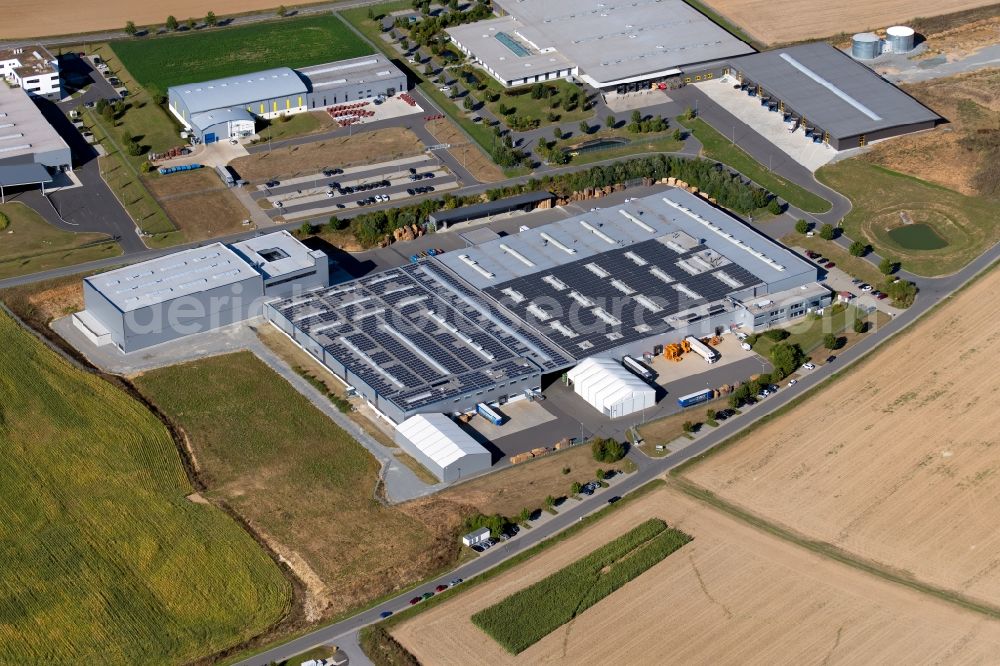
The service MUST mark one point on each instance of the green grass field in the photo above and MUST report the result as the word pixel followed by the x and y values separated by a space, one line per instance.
pixel 30 244
pixel 719 148
pixel 290 470
pixel 885 200
pixel 161 62
pixel 527 616
pixel 104 560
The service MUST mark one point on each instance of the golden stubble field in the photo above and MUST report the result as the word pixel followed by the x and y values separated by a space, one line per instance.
pixel 734 595
pixel 796 20
pixel 899 461
pixel 23 18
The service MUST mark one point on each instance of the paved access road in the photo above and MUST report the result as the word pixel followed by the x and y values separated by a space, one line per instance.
pixel 933 291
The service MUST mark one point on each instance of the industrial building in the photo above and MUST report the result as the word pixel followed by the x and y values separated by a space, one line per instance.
pixel 229 108
pixel 835 97
pixel 484 324
pixel 526 201
pixel 31 150
pixel 614 45
pixel 442 446
pixel 195 290
pixel 611 389
pixel 33 69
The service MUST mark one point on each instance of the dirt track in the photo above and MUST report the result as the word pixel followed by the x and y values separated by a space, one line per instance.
pixel 732 596
pixel 795 20
pixel 23 18
pixel 899 462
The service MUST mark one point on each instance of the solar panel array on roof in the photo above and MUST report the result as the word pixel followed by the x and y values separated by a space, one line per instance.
pixel 417 336
pixel 601 302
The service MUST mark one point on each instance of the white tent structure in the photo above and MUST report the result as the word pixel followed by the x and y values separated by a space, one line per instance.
pixel 610 388
pixel 442 447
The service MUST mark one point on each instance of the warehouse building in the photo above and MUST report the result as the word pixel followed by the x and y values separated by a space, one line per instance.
pixel 33 69
pixel 194 290
pixel 442 447
pixel 31 150
pixel 525 202
pixel 614 45
pixel 484 324
pixel 229 108
pixel 837 99
pixel 611 389
pixel 415 340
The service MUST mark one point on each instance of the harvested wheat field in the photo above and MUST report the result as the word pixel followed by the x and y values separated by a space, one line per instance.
pixel 733 595
pixel 22 18
pixel 386 144
pixel 897 462
pixel 796 20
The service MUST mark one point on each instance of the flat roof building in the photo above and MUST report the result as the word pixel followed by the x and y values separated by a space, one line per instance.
pixel 30 148
pixel 526 201
pixel 228 107
pixel 195 290
pixel 841 98
pixel 484 323
pixel 34 69
pixel 608 44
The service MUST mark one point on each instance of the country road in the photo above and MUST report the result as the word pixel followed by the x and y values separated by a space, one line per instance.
pixel 933 291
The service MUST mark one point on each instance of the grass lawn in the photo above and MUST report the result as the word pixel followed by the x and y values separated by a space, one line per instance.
pixel 295 475
pixel 161 62
pixel 885 200
pixel 808 331
pixel 717 147
pixel 30 244
pixel 105 561
pixel 299 124
pixel 857 267
pixel 527 616
pixel 526 107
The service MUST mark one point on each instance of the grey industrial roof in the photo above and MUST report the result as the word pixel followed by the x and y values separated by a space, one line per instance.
pixel 278 253
pixel 23 128
pixel 23 174
pixel 333 75
pixel 487 208
pixel 205 119
pixel 614 41
pixel 832 90
pixel 661 215
pixel 239 90
pixel 172 276
pixel 481 38
pixel 418 336
pixel 32 60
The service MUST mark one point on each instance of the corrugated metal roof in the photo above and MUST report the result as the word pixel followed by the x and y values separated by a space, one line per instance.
pixel 489 207
pixel 239 90
pixel 439 438
pixel 206 119
pixel 832 90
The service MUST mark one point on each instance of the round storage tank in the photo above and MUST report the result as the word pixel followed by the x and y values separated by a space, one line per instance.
pixel 866 46
pixel 899 39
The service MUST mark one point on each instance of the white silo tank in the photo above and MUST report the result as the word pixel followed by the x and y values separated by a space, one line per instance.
pixel 899 39
pixel 866 46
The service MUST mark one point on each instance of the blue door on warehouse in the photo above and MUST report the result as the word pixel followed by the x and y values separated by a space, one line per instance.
pixel 210 137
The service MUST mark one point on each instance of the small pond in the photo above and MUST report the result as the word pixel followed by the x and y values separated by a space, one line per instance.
pixel 917 237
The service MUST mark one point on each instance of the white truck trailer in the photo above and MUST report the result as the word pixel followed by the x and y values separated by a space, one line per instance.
pixel 701 349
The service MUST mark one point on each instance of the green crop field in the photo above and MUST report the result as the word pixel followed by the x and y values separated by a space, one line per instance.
pixel 161 62
pixel 524 618
pixel 104 560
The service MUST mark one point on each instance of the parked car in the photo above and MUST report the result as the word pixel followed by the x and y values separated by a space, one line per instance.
pixel 272 183
pixel 278 204
pixel 882 296
pixel 811 254
pixel 478 547
pixel 440 588
pixel 830 264
pixel 330 194
pixel 427 595
pixel 455 582
pixel 614 499
pixel 856 281
pixel 415 600
pixel 792 382
pixel 385 614
pixel 865 287
pixel 831 359
pixel 410 191
pixel 809 366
